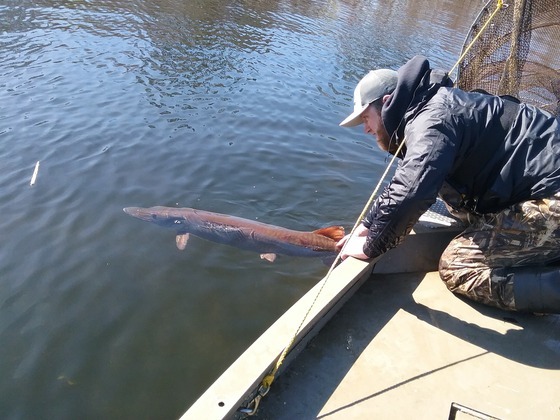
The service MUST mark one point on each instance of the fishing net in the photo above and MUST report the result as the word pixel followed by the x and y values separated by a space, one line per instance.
pixel 517 54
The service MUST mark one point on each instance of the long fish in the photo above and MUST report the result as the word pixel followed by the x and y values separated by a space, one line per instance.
pixel 268 240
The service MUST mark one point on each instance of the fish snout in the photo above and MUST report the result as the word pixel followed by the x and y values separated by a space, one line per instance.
pixel 133 211
pixel 139 213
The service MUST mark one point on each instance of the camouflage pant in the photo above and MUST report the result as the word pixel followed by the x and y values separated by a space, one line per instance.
pixel 477 262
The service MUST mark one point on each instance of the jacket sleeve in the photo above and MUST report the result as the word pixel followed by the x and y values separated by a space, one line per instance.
pixel 431 144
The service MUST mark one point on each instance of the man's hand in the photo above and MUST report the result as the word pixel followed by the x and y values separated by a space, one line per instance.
pixel 353 246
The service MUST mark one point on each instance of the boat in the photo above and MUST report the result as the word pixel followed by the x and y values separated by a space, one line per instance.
pixel 386 339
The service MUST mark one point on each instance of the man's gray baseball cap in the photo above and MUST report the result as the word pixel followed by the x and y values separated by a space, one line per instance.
pixel 373 86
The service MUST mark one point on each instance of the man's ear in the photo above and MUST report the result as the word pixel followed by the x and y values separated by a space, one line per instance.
pixel 385 98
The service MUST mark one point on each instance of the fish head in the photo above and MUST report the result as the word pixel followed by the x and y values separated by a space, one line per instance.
pixel 162 216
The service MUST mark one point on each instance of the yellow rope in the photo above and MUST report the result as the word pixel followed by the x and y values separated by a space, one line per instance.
pixel 268 379
pixel 499 5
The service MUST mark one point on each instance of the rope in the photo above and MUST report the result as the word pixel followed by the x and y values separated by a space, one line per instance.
pixel 499 5
pixel 268 379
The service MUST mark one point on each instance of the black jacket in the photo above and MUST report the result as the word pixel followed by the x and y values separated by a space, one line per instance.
pixel 480 152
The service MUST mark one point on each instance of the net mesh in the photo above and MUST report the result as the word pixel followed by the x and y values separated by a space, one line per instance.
pixel 517 54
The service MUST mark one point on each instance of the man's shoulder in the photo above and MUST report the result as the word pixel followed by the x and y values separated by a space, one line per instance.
pixel 458 101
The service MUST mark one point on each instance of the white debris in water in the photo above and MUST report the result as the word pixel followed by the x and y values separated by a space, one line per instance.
pixel 34 177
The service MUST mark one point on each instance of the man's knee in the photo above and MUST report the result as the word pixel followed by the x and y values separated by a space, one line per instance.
pixel 478 283
pixel 461 271
pixel 469 281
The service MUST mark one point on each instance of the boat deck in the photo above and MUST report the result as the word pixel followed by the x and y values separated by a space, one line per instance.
pixel 396 344
pixel 405 347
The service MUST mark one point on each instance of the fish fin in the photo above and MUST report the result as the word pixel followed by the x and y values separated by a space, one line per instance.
pixel 270 257
pixel 181 240
pixel 333 232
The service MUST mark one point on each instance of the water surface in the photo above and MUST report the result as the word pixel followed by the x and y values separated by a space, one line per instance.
pixel 227 106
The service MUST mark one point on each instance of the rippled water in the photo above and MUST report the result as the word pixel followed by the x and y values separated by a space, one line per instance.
pixel 228 106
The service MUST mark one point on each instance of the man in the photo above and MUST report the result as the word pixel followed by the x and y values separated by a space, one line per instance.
pixel 494 161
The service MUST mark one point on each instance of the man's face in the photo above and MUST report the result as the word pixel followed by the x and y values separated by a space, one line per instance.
pixel 373 124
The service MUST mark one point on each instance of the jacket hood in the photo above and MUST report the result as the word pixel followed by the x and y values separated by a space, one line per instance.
pixel 417 83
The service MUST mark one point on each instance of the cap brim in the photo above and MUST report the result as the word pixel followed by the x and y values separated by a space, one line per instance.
pixel 354 119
